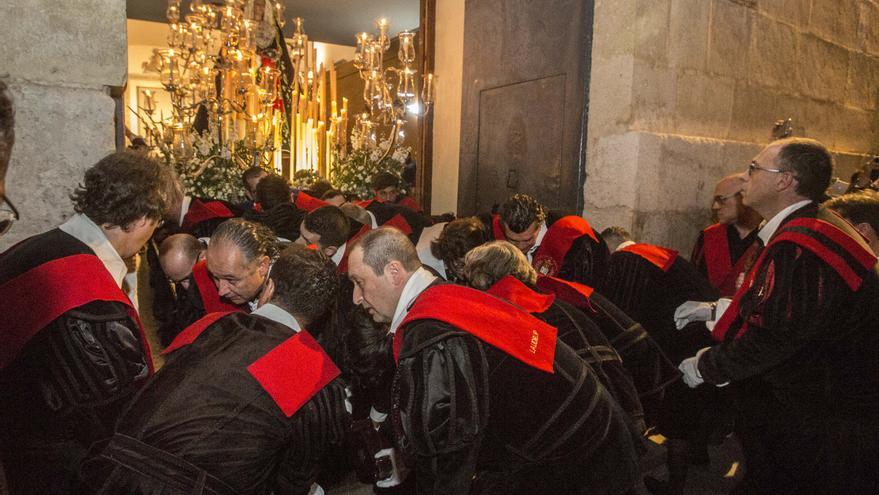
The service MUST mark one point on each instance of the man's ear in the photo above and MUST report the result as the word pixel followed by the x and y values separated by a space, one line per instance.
pixel 264 263
pixel 330 251
pixel 395 271
pixel 201 255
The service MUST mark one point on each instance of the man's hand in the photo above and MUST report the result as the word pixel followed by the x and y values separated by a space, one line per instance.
pixel 690 368
pixel 692 311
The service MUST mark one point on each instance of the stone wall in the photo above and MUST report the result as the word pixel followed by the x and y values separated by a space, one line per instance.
pixel 686 91
pixel 58 59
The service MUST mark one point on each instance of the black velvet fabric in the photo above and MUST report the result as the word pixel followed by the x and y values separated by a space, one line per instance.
pixel 813 341
pixel 283 219
pixel 69 384
pixel 204 409
pixel 464 408
pixel 386 211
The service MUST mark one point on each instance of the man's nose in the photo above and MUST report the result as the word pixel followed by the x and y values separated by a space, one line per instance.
pixel 357 295
pixel 223 287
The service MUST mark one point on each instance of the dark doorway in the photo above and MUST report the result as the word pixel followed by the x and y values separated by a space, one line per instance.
pixel 525 100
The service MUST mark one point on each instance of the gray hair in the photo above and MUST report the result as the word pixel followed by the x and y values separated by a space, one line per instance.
pixel 253 239
pixel 386 244
pixel 486 264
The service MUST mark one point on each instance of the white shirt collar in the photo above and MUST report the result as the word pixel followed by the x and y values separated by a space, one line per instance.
pixel 86 231
pixel 418 281
pixel 540 235
pixel 276 314
pixel 624 244
pixel 373 222
pixel 340 253
pixel 772 225
pixel 184 207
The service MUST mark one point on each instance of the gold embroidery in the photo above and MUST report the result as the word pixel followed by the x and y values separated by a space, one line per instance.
pixel 534 339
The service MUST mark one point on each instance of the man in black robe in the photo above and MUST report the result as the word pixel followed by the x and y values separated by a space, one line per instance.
pixel 73 350
pixel 246 403
pixel 723 250
pixel 501 269
pixel 557 244
pixel 331 231
pixel 552 428
pixel 649 282
pixel 276 209
pixel 804 320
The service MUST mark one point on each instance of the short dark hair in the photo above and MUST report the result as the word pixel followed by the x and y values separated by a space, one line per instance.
pixel 7 128
pixel 272 191
pixel 810 162
pixel 253 239
pixel 251 173
pixel 319 187
pixel 385 244
pixel 858 207
pixel 382 180
pixel 458 237
pixel 123 187
pixel 615 235
pixel 331 193
pixel 520 211
pixel 306 282
pixel 330 223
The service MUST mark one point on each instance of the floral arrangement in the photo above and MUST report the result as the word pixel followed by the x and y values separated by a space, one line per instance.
pixel 304 179
pixel 353 173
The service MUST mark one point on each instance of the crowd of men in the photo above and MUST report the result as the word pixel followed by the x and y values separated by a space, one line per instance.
pixel 518 351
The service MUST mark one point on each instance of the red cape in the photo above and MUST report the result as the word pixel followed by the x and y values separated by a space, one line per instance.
pixel 661 257
pixel 487 318
pixel 308 202
pixel 573 293
pixel 795 232
pixel 512 290
pixel 559 238
pixel 722 273
pixel 49 290
pixel 200 211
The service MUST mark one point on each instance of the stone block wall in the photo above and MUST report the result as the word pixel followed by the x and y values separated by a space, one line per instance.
pixel 58 58
pixel 684 92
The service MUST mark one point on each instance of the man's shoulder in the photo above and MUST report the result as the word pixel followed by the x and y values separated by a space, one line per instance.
pixel 38 250
pixel 423 333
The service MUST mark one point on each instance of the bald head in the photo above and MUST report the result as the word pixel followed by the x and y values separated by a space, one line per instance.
pixel 178 253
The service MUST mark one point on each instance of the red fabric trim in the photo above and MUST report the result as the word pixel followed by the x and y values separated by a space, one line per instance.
pixel 662 257
pixel 487 318
pixel 190 333
pixel 200 211
pixel 400 223
pixel 343 263
pixel 47 291
pixel 496 229
pixel 294 372
pixel 210 298
pixel 715 246
pixel 410 203
pixel 573 293
pixel 557 241
pixel 512 290
pixel 308 202
pixel 257 207
pixel 865 258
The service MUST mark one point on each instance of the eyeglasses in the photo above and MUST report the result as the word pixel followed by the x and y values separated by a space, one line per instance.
pixel 723 199
pixel 8 216
pixel 753 167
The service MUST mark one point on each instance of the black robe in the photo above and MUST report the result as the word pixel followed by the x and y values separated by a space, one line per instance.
pixel 68 384
pixel 812 338
pixel 385 212
pixel 466 408
pixel 283 219
pixel 716 262
pixel 205 415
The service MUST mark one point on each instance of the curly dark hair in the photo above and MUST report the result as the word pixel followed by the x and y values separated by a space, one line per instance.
pixel 123 187
pixel 253 239
pixel 459 237
pixel 330 223
pixel 382 180
pixel 306 283
pixel 520 211
pixel 272 191
pixel 7 128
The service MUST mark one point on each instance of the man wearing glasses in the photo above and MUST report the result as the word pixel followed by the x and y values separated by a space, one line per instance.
pixel 723 249
pixel 8 213
pixel 73 351
pixel 805 321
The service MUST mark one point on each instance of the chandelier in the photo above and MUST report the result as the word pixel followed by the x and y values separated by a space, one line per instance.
pixel 389 92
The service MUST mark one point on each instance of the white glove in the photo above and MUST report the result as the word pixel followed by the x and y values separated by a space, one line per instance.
pixel 400 470
pixel 693 311
pixel 690 368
